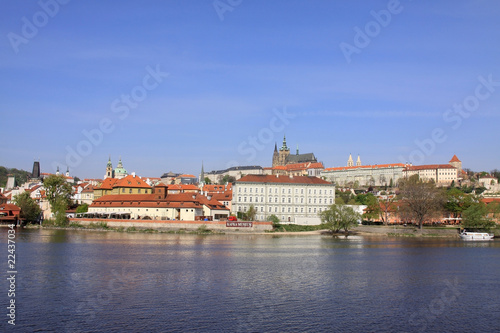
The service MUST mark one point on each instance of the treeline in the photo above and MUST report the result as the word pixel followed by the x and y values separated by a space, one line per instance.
pixel 21 175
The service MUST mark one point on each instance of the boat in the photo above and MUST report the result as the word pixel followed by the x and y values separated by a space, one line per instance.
pixel 475 236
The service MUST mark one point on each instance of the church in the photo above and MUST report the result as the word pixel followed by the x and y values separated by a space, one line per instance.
pixel 283 156
pixel 119 172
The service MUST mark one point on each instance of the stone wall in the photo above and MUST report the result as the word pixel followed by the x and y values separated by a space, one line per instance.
pixel 176 225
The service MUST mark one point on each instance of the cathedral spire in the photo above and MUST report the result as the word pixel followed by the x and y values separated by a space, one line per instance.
pixel 297 148
pixel 284 147
pixel 202 175
pixel 350 161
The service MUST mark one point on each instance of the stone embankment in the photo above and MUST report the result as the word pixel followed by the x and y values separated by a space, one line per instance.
pixel 406 231
pixel 223 226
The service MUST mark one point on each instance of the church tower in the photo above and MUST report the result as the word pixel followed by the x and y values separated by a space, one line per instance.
pixel 350 161
pixel 202 176
pixel 109 169
pixel 358 162
pixel 284 152
pixel 276 157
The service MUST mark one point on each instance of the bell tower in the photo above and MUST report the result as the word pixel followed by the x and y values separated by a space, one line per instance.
pixel 109 169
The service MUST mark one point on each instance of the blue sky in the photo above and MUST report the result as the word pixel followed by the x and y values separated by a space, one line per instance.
pixel 169 84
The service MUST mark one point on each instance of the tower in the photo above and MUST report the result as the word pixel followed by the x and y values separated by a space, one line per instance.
pixel 350 162
pixel 276 157
pixel 358 162
pixel 36 170
pixel 109 169
pixel 283 153
pixel 67 172
pixel 455 162
pixel 202 175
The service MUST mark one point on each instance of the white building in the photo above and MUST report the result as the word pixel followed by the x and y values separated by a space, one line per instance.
pixel 441 174
pixel 287 197
pixel 365 175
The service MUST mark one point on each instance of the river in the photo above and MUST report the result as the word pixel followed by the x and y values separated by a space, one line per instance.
pixel 92 281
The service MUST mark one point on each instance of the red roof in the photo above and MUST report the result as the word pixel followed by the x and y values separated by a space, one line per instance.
pixel 184 200
pixel 182 187
pixel 282 179
pixel 375 166
pixel 455 159
pixel 107 184
pixel 131 181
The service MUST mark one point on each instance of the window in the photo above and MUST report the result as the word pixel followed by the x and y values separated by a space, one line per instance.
pixel 289 200
pixel 139 191
pixel 130 190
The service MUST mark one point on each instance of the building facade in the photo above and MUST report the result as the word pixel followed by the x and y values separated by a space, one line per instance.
pixel 365 175
pixel 441 174
pixel 287 197
pixel 159 205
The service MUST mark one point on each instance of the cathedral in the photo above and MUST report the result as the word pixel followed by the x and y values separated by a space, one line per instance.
pixel 283 156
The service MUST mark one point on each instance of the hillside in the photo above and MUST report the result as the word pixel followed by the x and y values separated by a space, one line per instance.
pixel 21 175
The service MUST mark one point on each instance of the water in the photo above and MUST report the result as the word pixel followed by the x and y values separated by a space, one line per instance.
pixel 85 281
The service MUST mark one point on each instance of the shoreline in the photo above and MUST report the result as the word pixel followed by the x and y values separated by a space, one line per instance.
pixel 364 231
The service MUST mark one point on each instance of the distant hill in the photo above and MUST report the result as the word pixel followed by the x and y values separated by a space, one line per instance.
pixel 21 175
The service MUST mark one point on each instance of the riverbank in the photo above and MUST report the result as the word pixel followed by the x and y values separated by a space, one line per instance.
pixel 362 230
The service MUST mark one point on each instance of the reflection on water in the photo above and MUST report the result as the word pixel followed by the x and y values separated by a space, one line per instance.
pixel 107 281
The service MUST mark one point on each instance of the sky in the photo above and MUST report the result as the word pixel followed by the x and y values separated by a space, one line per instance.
pixel 169 85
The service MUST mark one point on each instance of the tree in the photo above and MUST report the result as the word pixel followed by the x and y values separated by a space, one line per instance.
pixel 340 217
pixel 30 211
pixel 83 208
pixel 227 179
pixel 421 201
pixel 276 221
pixel 373 207
pixel 457 201
pixel 250 213
pixel 386 205
pixel 476 217
pixel 207 181
pixel 58 193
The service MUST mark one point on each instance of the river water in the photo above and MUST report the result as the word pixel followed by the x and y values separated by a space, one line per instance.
pixel 89 281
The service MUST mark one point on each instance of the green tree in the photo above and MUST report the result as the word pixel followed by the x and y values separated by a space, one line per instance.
pixel 227 179
pixel 476 217
pixel 250 213
pixel 421 201
pixel 373 207
pixel 58 193
pixel 83 208
pixel 339 217
pixel 207 181
pixel 457 201
pixel 276 221
pixel 30 211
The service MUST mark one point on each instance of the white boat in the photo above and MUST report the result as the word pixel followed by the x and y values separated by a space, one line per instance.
pixel 475 236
